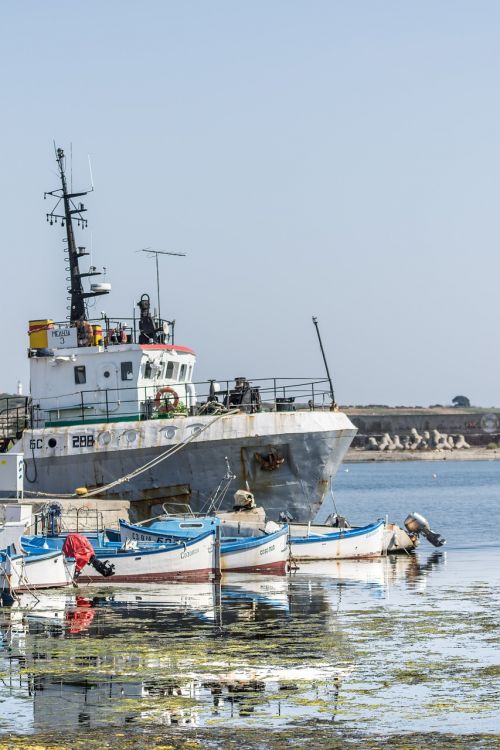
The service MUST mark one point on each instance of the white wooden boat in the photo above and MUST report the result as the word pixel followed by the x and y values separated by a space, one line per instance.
pixel 19 572
pixel 260 554
pixel 266 553
pixel 396 539
pixel 338 544
pixel 190 559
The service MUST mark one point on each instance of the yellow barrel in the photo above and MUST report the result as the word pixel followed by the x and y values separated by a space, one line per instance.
pixel 97 335
pixel 38 333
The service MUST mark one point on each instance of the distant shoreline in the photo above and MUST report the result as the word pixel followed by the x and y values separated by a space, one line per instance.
pixel 361 456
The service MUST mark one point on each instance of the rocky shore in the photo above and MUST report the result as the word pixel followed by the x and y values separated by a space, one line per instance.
pixel 360 455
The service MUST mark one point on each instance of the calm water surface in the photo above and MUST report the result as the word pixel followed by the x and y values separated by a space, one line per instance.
pixel 408 645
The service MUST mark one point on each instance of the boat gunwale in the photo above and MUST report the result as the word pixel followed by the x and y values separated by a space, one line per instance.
pixel 338 535
pixel 101 552
pixel 250 542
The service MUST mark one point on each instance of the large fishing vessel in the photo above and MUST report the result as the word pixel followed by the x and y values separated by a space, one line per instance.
pixel 114 408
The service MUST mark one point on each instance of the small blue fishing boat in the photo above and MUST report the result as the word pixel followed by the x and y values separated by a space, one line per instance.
pixel 166 528
pixel 47 569
pixel 190 559
pixel 338 544
pixel 267 553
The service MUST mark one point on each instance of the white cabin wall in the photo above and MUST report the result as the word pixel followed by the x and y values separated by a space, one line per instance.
pixel 53 379
pixel 159 360
pixel 105 394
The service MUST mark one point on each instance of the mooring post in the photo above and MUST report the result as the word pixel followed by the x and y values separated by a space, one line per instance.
pixel 217 552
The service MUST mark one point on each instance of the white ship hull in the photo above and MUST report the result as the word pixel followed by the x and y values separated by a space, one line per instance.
pixel 311 445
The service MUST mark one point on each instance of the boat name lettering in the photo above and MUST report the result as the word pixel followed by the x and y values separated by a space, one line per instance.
pixel 148 538
pixel 36 443
pixel 189 552
pixel 267 549
pixel 83 441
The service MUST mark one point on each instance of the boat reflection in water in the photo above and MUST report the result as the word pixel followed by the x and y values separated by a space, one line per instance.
pixel 381 572
pixel 248 649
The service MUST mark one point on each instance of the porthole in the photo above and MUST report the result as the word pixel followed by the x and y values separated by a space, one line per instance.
pixel 106 373
pixel 52 442
pixel 169 432
pixel 131 436
pixel 104 438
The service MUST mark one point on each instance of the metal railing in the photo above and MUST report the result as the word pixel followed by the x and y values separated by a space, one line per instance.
pixel 14 417
pixel 77 520
pixel 148 402
pixel 123 330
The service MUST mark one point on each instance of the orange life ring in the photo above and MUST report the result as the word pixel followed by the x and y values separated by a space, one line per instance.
pixel 167 405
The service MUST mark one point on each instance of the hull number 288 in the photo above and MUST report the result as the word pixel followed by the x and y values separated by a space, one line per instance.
pixel 77 441
pixel 83 441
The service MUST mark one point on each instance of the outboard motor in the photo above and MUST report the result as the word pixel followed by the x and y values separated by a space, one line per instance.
pixel 417 524
pixel 79 547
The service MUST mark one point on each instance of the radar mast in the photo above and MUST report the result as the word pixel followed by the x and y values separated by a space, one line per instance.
pixel 69 209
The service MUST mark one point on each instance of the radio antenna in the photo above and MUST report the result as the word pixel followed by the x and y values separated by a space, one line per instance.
pixel 91 177
pixel 156 253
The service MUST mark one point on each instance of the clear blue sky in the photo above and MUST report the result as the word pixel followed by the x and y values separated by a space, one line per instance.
pixel 338 159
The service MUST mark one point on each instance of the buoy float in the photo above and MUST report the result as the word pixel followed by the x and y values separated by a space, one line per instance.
pixel 164 405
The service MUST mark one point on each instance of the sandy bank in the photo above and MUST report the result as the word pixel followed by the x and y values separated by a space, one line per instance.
pixel 358 455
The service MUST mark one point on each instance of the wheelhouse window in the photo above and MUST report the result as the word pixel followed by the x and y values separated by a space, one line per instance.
pixel 172 370
pixel 127 371
pixel 80 374
pixel 148 371
pixel 182 375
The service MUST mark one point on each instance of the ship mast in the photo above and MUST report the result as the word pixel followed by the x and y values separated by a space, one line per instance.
pixel 78 297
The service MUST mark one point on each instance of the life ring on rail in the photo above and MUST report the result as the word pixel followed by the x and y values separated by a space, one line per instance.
pixel 167 405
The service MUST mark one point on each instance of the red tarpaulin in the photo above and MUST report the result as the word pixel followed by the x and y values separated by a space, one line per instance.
pixel 78 547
